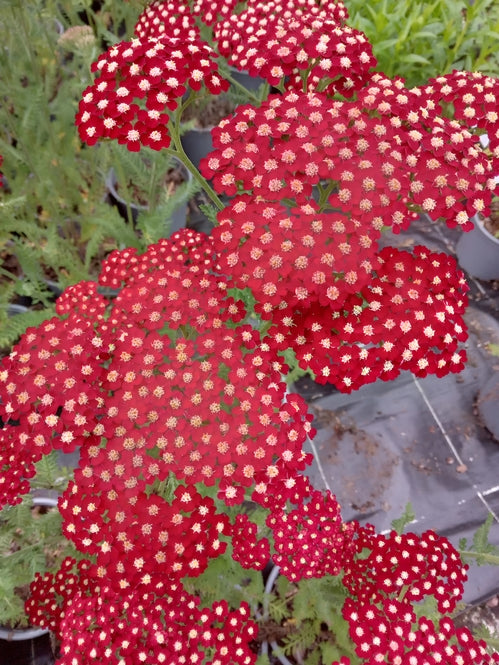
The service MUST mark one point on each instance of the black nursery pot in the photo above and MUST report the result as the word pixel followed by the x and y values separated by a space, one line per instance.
pixel 17 648
pixel 31 645
pixel 126 207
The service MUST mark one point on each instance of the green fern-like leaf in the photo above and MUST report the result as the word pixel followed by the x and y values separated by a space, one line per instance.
pixel 12 606
pixel 28 260
pixel 50 474
pixel 13 327
pixel 16 518
pixel 406 518
pixel 210 212
pixel 155 224
pixel 263 659
pixel 31 541
pixel 482 551
pixel 302 639
pixel 225 578
pixel 108 224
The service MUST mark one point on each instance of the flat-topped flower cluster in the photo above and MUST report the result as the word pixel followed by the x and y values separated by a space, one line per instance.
pixel 173 389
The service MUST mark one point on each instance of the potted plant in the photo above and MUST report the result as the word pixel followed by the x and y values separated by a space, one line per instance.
pixel 192 470
pixel 31 543
pixel 150 185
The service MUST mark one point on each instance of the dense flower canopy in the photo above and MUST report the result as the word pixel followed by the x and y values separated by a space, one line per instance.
pixel 167 374
pixel 377 169
pixel 163 373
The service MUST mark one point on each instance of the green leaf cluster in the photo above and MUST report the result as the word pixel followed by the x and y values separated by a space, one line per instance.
pixel 53 216
pixel 308 620
pixel 31 541
pixel 429 38
pixel 227 579
pixel 481 549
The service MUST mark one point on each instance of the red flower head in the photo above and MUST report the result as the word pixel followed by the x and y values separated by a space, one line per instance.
pixel 185 250
pixel 288 257
pixel 294 142
pixel 139 83
pixel 474 97
pixel 137 537
pixel 210 408
pixel 311 540
pixel 52 593
pixel 311 51
pixel 49 395
pixel 171 19
pixel 210 11
pixel 158 625
pixel 249 550
pixel 391 633
pixel 408 317
pixel 407 566
pixel 451 176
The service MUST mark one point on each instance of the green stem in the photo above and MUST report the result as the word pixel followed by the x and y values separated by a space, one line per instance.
pixel 402 593
pixel 121 180
pixel 251 97
pixel 453 54
pixel 493 559
pixel 179 152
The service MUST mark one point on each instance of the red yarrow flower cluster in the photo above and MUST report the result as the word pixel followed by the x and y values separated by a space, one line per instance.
pixel 188 250
pixel 164 625
pixel 47 386
pixel 474 97
pixel 408 317
pixel 175 18
pixel 212 11
pixel 164 374
pixel 172 18
pixel 139 83
pixel 451 175
pixel 406 566
pixel 139 538
pixel 312 540
pixel 307 51
pixel 288 257
pixel 374 160
pixel 391 633
pixel 249 550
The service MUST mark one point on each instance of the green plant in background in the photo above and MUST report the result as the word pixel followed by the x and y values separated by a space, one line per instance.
pixel 31 541
pixel 55 222
pixel 153 181
pixel 421 40
pixel 55 225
